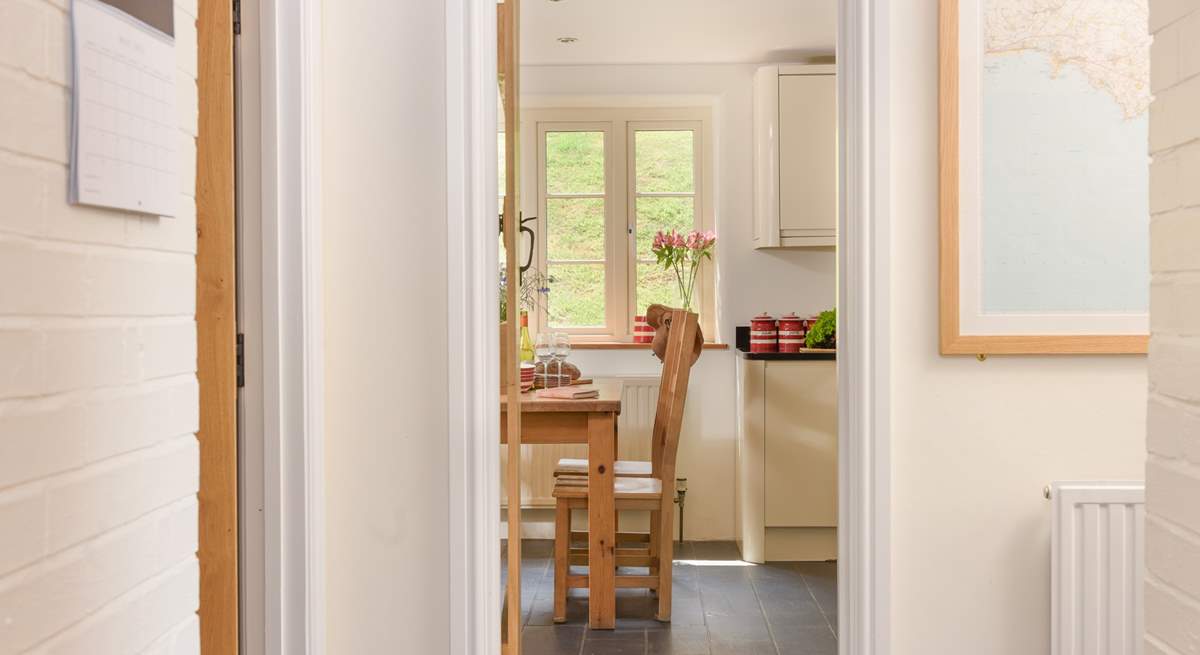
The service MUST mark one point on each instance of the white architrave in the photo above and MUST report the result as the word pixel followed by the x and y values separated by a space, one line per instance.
pixel 864 549
pixel 292 328
pixel 473 339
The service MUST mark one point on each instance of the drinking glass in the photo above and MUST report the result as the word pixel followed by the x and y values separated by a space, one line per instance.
pixel 562 349
pixel 543 351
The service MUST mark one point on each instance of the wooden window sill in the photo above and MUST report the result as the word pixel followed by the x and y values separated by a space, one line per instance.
pixel 626 345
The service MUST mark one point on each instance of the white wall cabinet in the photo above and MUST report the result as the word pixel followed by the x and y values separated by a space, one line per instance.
pixel 786 464
pixel 795 156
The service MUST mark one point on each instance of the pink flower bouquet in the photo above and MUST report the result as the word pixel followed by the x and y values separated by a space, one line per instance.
pixel 683 254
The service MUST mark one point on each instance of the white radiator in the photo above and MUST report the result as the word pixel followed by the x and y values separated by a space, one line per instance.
pixel 1097 544
pixel 638 403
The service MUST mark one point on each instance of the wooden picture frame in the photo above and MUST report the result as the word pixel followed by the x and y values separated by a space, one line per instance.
pixel 953 341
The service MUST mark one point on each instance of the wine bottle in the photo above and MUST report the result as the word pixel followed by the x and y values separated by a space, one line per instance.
pixel 526 342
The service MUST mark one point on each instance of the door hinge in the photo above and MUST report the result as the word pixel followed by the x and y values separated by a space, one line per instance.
pixel 237 16
pixel 241 360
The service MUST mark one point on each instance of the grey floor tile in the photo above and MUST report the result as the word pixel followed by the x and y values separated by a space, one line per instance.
pixel 684 584
pixel 621 641
pixel 541 613
pixel 719 646
pixel 749 628
pixel 825 570
pixel 556 640
pixel 821 578
pixel 686 611
pixel 826 598
pixel 678 640
pixel 801 612
pixel 728 597
pixel 636 608
pixel 832 619
pixel 798 640
pixel 718 608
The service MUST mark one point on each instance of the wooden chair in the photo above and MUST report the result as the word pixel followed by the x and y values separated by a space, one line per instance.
pixel 654 550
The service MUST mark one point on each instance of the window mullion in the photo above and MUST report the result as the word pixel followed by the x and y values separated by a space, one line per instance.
pixel 629 184
pixel 543 227
pixel 618 253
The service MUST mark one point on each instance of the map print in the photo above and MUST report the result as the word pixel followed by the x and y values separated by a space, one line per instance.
pixel 1108 41
pixel 1065 97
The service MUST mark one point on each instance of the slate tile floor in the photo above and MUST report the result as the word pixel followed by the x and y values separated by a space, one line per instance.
pixel 722 606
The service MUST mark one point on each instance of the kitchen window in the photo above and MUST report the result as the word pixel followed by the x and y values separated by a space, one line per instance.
pixel 607 181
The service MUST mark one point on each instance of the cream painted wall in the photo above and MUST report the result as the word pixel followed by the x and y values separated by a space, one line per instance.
pixel 973 442
pixel 385 296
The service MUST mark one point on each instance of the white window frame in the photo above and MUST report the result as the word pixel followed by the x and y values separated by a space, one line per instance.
pixel 620 126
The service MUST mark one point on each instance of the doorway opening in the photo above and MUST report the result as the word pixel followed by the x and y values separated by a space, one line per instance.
pixel 631 122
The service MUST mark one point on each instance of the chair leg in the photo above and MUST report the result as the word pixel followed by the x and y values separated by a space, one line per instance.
pixel 562 542
pixel 666 556
pixel 653 546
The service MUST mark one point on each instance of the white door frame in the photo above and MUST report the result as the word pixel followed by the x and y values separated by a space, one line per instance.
pixel 473 338
pixel 864 333
pixel 863 299
pixel 293 356
pixel 283 555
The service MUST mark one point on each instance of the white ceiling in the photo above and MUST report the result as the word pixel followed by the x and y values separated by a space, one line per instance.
pixel 676 31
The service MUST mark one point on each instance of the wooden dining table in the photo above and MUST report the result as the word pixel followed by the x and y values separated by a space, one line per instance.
pixel 591 421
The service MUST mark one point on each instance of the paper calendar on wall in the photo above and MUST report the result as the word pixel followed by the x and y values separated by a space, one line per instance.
pixel 125 145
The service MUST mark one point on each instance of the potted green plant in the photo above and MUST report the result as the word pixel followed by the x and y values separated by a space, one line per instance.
pixel 823 333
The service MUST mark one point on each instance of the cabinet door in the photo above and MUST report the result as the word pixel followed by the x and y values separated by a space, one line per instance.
pixel 801 444
pixel 807 155
pixel 748 471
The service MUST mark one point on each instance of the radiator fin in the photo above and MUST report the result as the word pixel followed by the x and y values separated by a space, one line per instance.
pixel 1097 545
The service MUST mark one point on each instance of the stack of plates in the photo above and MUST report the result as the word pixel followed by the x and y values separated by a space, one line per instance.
pixel 526 376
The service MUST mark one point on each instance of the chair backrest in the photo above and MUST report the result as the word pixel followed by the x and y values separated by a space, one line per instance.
pixel 672 393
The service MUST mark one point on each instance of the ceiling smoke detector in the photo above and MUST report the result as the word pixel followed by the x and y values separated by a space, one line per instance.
pixel 566 39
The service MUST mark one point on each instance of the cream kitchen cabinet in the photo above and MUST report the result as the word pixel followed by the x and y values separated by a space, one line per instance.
pixel 786 465
pixel 795 156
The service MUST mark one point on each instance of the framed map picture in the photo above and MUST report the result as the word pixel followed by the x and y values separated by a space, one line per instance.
pixel 1044 174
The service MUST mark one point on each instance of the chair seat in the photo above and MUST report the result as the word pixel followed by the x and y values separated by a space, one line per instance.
pixel 627 468
pixel 572 486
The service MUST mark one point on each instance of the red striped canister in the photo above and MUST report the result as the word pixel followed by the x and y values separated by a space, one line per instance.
pixel 642 332
pixel 791 333
pixel 764 337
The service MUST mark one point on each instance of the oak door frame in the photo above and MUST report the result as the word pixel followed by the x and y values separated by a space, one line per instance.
pixel 864 259
pixel 216 331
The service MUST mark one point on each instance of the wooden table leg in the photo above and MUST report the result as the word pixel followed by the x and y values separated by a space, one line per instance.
pixel 602 528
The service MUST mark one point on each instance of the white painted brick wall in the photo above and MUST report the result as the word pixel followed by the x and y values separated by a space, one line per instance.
pixel 98 393
pixel 1173 434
